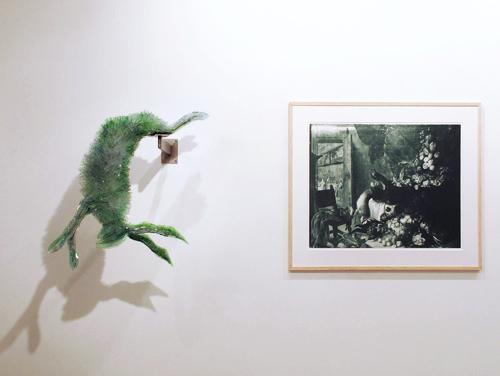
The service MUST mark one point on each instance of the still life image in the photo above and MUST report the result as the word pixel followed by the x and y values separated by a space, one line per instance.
pixel 385 185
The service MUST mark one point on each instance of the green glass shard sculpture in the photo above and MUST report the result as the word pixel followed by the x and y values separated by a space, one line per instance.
pixel 105 184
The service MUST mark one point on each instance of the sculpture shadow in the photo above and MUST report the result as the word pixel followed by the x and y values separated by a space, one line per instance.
pixel 83 288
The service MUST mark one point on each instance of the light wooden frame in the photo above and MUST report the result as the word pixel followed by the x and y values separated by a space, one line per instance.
pixel 466 268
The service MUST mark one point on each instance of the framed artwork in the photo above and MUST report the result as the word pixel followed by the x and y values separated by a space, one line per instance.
pixel 384 186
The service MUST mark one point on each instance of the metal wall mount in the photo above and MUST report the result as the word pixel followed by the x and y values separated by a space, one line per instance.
pixel 169 149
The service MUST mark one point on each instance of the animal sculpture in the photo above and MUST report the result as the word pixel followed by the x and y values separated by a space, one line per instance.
pixel 105 184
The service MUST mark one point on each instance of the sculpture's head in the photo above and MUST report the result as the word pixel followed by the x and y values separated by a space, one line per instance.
pixel 147 124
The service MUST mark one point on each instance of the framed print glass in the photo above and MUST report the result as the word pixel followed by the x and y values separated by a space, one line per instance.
pixel 384 186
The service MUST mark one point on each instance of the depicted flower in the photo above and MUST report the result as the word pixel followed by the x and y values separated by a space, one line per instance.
pixel 424 226
pixel 406 219
pixel 418 239
pixel 424 170
pixel 396 226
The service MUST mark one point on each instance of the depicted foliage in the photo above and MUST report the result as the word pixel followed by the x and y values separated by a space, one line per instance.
pixel 105 184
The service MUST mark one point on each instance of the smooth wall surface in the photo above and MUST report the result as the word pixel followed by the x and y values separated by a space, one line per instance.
pixel 229 306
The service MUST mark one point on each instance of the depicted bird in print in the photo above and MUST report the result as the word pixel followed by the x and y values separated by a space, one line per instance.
pixel 105 184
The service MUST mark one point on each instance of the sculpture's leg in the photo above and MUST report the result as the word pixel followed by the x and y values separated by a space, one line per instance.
pixel 73 255
pixel 150 228
pixel 159 251
pixel 69 231
pixel 111 234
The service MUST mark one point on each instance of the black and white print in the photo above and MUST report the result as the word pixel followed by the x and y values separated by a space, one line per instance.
pixel 384 185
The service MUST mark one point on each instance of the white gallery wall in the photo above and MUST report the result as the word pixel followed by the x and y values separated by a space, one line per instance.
pixel 228 306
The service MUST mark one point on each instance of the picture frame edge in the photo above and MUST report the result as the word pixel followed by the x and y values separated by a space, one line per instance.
pixel 311 269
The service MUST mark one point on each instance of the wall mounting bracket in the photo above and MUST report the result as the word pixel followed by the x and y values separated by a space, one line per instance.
pixel 169 149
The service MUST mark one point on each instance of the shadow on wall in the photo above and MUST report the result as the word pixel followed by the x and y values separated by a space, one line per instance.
pixel 83 297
